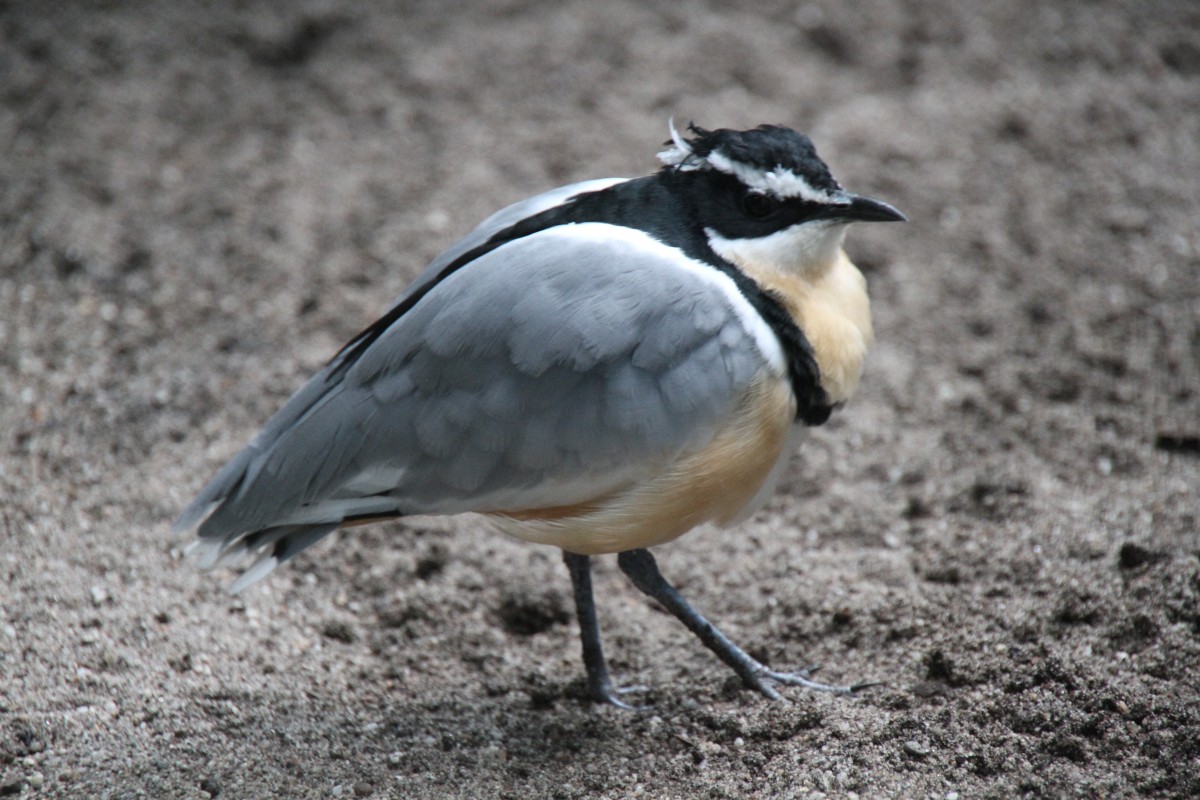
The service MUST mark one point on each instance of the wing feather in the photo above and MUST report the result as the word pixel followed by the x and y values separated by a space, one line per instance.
pixel 553 369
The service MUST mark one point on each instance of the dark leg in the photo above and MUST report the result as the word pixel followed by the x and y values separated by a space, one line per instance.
pixel 641 568
pixel 598 683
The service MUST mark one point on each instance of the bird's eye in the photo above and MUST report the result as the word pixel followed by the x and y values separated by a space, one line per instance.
pixel 758 205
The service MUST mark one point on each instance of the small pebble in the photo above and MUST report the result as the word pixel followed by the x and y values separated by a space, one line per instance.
pixel 916 749
pixel 99 595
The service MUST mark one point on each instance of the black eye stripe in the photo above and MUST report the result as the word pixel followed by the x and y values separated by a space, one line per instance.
pixel 757 204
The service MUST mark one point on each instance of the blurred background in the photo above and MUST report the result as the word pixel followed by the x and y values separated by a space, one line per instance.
pixel 200 202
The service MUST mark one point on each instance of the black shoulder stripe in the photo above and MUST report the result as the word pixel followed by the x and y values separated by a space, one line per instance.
pixel 812 401
pixel 595 206
pixel 656 210
pixel 353 349
pixel 649 204
pixel 645 204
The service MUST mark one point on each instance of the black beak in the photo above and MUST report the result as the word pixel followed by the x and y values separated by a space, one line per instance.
pixel 864 209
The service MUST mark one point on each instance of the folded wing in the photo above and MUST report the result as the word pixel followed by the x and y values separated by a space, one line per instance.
pixel 554 369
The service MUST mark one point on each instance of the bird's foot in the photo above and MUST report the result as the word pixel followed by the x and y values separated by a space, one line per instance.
pixel 608 694
pixel 761 679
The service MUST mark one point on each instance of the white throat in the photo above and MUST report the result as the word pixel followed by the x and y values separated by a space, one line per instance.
pixel 808 249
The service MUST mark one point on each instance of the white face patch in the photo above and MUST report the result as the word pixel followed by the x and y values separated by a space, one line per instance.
pixel 804 249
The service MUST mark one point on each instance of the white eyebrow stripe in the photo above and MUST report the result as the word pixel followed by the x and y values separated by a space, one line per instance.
pixel 779 182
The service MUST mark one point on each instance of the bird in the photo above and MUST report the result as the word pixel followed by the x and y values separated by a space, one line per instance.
pixel 600 368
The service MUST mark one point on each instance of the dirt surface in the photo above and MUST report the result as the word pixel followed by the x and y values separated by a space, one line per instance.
pixel 198 205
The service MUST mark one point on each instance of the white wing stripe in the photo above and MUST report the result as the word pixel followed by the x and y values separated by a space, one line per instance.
pixel 602 233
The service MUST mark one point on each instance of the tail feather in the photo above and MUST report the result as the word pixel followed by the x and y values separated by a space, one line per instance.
pixel 284 491
pixel 273 546
pixel 217 492
pixel 255 573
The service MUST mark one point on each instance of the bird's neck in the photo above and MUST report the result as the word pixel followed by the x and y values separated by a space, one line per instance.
pixel 829 303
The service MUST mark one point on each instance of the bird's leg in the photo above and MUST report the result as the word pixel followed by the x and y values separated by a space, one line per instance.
pixel 598 683
pixel 641 568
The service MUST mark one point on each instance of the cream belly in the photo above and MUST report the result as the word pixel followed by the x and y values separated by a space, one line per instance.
pixel 732 475
pixel 714 484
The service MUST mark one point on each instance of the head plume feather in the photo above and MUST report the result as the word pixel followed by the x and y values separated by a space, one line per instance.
pixel 772 158
pixel 679 153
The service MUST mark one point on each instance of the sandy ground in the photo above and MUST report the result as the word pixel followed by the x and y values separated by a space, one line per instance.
pixel 198 205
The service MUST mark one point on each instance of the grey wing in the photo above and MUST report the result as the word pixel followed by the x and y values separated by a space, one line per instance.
pixel 505 217
pixel 231 479
pixel 550 371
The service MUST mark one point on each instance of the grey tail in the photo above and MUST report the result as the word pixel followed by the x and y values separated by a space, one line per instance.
pixel 272 546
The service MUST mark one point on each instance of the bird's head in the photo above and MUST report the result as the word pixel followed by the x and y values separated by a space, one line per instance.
pixel 765 198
